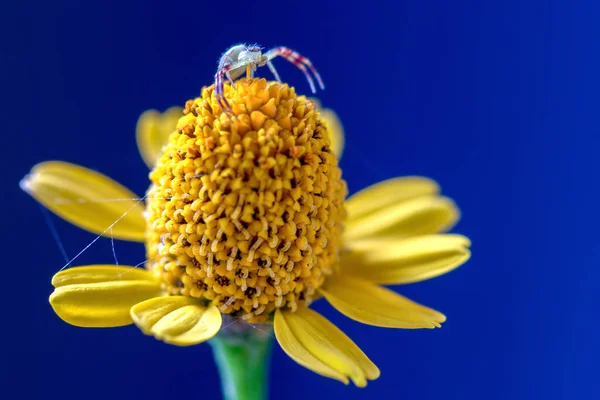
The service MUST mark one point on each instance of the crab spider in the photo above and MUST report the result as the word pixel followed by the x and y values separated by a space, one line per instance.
pixel 238 58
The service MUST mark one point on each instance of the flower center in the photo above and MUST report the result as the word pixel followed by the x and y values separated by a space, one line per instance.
pixel 246 213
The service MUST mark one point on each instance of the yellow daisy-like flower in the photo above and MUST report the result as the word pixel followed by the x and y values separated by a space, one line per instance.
pixel 247 219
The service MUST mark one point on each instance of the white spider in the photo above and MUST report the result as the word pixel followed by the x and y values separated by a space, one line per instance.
pixel 234 62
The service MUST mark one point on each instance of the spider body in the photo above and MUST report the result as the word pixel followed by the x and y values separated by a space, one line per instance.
pixel 238 58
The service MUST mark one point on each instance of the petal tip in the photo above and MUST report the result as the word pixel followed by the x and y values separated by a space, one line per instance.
pixel 25 184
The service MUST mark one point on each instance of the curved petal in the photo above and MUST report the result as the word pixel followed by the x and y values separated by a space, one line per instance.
pixel 153 130
pixel 178 320
pixel 315 343
pixel 397 261
pixel 388 193
pixel 88 199
pixel 100 296
pixel 296 350
pixel 419 216
pixel 100 273
pixel 374 305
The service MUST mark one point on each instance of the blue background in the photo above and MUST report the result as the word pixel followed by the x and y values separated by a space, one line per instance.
pixel 498 101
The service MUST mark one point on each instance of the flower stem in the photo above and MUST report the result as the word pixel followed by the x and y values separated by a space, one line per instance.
pixel 242 358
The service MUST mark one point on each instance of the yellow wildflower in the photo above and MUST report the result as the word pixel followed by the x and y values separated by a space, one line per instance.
pixel 247 220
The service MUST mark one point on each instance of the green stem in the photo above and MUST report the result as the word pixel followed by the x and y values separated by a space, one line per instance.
pixel 242 359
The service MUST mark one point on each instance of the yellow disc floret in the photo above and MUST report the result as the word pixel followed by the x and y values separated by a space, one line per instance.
pixel 247 212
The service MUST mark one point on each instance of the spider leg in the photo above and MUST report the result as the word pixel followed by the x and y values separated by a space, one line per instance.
pixel 273 71
pixel 306 74
pixel 218 89
pixel 223 72
pixel 307 62
pixel 220 95
pixel 299 61
pixel 230 80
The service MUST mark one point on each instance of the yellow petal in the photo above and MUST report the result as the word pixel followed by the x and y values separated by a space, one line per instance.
pixel 397 261
pixel 419 216
pixel 336 131
pixel 153 130
pixel 178 320
pixel 387 193
pixel 315 343
pixel 374 305
pixel 88 199
pixel 100 273
pixel 95 296
pixel 296 350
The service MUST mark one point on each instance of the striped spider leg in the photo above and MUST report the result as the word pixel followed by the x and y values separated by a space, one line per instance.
pixel 299 61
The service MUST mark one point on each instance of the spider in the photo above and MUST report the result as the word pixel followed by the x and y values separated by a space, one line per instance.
pixel 241 57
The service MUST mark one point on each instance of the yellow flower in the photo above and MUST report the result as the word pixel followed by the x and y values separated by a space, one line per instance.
pixel 247 219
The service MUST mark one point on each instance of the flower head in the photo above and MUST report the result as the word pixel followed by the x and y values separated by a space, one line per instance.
pixel 247 215
pixel 246 219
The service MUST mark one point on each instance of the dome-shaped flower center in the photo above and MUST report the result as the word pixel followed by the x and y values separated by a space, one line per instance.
pixel 246 213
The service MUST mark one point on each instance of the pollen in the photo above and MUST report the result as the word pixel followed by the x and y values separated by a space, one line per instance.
pixel 246 212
